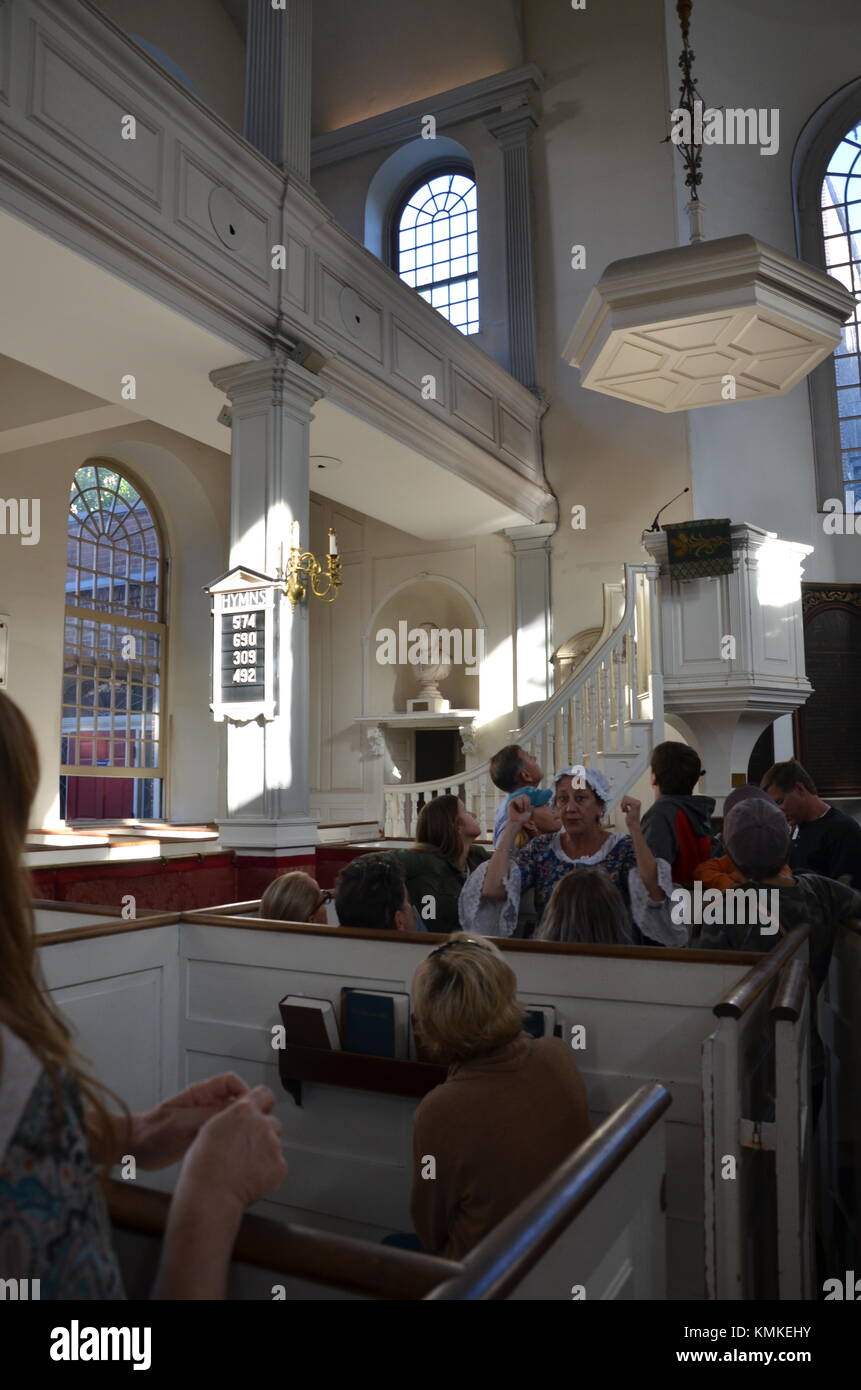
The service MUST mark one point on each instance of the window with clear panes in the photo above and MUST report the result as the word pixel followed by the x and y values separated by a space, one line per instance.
pixel 841 229
pixel 436 245
pixel 114 651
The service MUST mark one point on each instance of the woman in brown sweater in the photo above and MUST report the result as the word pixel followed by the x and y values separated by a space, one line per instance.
pixel 510 1111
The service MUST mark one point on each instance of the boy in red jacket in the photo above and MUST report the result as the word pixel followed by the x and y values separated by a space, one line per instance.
pixel 678 826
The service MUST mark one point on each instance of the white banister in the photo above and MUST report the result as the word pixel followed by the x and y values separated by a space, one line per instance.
pixel 608 714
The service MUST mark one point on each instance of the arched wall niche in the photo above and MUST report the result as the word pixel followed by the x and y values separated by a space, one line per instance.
pixel 426 598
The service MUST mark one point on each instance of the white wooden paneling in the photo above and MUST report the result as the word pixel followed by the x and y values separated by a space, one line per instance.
pixel 120 995
pixel 85 109
pixel 51 919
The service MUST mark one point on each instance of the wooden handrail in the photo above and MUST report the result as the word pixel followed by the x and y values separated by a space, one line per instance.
pixel 64 936
pixel 209 917
pixel 357 1266
pixel 739 999
pixel 96 909
pixel 789 996
pixel 506 1255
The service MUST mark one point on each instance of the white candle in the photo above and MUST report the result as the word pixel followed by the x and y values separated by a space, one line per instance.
pixel 294 535
pixel 333 542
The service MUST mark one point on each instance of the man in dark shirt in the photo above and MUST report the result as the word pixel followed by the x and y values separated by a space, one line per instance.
pixel 825 840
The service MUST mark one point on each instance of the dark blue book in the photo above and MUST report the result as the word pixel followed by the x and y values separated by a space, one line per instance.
pixel 376 1022
pixel 540 1020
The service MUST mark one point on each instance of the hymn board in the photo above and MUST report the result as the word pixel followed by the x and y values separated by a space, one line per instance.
pixel 243 645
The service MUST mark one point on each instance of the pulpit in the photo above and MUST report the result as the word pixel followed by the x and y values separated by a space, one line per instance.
pixel 732 649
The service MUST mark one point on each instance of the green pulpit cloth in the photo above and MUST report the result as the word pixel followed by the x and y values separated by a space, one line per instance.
pixel 699 549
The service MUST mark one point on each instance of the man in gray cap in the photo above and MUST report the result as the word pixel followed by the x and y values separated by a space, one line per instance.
pixel 756 837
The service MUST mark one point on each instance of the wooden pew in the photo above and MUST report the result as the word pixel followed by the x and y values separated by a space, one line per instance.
pixel 160 1005
pixel 594 1228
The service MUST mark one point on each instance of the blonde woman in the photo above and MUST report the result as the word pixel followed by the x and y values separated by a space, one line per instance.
pixel 295 897
pixel 510 1111
pixel 57 1130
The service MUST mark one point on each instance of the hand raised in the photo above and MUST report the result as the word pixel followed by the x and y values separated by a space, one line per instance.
pixel 630 808
pixel 519 810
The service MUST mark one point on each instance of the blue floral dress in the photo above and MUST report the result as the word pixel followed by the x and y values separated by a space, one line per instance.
pixel 539 867
pixel 54 1224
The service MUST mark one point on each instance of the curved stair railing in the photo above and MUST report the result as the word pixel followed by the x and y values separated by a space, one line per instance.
pixel 607 715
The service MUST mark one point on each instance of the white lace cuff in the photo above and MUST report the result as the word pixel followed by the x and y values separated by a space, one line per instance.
pixel 489 916
pixel 654 918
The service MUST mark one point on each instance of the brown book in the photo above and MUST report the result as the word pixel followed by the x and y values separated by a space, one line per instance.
pixel 309 1022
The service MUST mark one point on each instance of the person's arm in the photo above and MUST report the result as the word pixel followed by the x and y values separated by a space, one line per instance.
pixel 646 863
pixel 235 1160
pixel 519 812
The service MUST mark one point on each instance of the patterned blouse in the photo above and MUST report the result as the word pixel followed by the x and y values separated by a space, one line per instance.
pixel 53 1219
pixel 540 865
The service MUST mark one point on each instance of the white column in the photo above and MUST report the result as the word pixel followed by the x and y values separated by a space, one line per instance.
pixel 265 90
pixel 278 83
pixel 511 130
pixel 784 738
pixel 267 771
pixel 297 135
pixel 533 618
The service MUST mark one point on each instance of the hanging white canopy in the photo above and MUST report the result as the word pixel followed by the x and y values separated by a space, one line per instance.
pixel 723 320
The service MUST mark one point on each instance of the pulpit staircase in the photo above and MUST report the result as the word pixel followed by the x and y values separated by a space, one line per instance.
pixel 608 714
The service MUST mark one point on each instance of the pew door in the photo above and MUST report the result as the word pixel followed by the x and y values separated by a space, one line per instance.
pixel 758 1151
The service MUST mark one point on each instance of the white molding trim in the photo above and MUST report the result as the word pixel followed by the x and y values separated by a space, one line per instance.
pixel 431 435
pixel 499 92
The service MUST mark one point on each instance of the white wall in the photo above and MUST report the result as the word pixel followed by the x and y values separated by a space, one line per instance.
pixel 380 54
pixel 755 460
pixel 199 37
pixel 603 180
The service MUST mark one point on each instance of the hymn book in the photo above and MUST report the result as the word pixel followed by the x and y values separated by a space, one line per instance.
pixel 309 1022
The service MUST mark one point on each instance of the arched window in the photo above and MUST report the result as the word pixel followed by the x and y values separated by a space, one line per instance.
pixel 436 245
pixel 841 228
pixel 111 748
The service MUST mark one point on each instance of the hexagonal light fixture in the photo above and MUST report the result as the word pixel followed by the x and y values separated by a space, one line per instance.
pixel 731 319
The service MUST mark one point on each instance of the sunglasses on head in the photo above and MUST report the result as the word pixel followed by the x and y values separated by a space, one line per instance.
pixel 325 897
pixel 459 941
